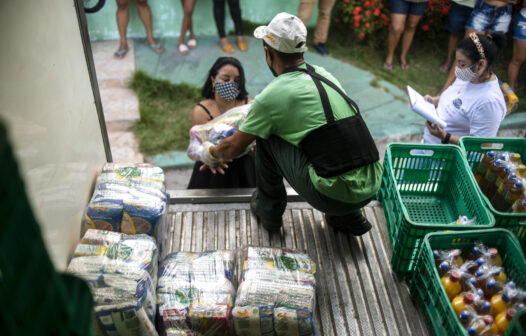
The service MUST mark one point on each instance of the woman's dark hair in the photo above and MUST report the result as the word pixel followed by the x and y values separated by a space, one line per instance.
pixel 207 91
pixel 492 44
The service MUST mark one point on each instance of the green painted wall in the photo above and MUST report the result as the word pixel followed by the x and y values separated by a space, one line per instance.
pixel 167 17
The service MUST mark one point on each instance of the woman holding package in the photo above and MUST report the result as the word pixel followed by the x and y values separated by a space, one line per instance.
pixel 223 90
pixel 473 104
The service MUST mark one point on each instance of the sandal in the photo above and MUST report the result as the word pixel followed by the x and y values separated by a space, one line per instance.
pixel 192 43
pixel 183 49
pixel 404 66
pixel 228 49
pixel 242 46
pixel 388 66
pixel 120 53
pixel 156 47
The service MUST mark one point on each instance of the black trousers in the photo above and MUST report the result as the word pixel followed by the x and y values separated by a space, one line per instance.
pixel 219 16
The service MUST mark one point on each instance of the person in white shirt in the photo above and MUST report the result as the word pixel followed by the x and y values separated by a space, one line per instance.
pixel 473 104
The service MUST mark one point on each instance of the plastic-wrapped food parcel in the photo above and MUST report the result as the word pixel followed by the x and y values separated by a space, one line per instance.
pixel 128 198
pixel 216 130
pixel 121 271
pixel 276 293
pixel 195 293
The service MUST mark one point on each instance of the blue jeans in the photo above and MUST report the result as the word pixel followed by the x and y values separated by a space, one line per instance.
pixel 488 17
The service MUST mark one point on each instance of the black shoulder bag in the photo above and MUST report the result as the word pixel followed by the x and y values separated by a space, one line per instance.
pixel 340 145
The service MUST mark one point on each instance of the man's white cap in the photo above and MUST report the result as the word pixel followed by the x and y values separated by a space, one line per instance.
pixel 285 33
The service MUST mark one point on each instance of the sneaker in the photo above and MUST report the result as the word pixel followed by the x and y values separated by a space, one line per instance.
pixel 320 47
pixel 267 224
pixel 356 226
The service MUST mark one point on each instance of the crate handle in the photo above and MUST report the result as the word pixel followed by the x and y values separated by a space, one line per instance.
pixel 421 152
pixel 493 145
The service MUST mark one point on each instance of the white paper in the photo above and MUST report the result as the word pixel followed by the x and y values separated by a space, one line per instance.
pixel 418 104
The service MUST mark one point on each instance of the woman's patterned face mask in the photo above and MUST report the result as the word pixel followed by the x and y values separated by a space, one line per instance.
pixel 466 74
pixel 227 90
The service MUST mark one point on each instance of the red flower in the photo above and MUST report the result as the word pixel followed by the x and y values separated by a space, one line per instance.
pixel 358 8
pixel 357 24
pixel 425 27
pixel 446 10
pixel 355 11
pixel 430 3
pixel 336 20
pixel 357 18
pixel 376 22
pixel 383 16
pixel 346 1
pixel 368 13
pixel 367 25
pixel 376 12
pixel 361 35
pixel 367 3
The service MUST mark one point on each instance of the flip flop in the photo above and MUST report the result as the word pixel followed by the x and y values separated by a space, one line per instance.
pixel 404 66
pixel 183 49
pixel 156 47
pixel 120 53
pixel 388 66
pixel 228 49
pixel 192 43
pixel 242 46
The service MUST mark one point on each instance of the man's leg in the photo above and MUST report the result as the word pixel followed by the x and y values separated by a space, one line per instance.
pixel 277 159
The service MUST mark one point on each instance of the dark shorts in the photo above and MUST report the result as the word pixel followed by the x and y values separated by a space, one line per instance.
pixel 458 17
pixel 408 8
pixel 519 30
pixel 488 17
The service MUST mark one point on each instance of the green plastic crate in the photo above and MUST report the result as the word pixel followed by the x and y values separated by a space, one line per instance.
pixel 517 326
pixel 426 288
pixel 424 189
pixel 474 149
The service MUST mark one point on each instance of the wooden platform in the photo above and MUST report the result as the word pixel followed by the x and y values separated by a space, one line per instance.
pixel 357 294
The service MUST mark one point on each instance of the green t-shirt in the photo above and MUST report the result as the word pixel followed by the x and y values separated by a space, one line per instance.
pixel 290 107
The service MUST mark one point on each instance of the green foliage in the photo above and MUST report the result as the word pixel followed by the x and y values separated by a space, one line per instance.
pixel 165 111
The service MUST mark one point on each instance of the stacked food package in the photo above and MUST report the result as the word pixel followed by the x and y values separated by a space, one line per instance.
pixel 128 198
pixel 195 293
pixel 276 293
pixel 121 273
pixel 216 130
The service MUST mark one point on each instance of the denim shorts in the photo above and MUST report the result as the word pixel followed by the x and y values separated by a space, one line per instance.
pixel 458 17
pixel 488 17
pixel 408 8
pixel 519 29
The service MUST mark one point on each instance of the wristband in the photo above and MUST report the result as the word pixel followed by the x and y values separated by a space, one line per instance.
pixel 445 141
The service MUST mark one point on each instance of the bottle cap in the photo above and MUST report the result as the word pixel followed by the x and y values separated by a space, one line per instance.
pixel 491 154
pixel 468 298
pixel 472 331
pixel 488 319
pixel 498 163
pixel 520 307
pixel 475 250
pixel 511 285
pixel 510 313
pixel 512 176
pixel 472 281
pixel 503 157
pixel 479 292
pixel 518 183
pixel 479 273
pixel 491 283
pixel 493 252
pixel 436 255
pixel 465 315
pixel 455 276
pixel 480 261
pixel 486 305
pixel 444 266
pixel 505 297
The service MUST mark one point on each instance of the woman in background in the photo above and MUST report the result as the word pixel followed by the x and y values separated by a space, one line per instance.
pixel 223 90
pixel 187 25
pixel 473 104
pixel 235 13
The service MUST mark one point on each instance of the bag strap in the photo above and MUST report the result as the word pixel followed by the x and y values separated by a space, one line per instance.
pixel 317 78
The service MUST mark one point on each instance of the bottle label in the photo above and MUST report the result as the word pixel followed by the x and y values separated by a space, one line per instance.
pixel 501 189
pixel 491 177
pixel 499 182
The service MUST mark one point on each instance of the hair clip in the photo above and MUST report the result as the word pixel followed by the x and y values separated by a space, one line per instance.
pixel 476 40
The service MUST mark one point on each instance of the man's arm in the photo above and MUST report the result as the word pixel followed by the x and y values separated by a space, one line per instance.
pixel 232 146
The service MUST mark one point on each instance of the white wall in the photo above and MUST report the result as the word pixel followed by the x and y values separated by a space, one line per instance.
pixel 47 101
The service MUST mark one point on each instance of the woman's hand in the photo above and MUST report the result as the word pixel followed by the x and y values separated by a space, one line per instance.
pixel 436 130
pixel 433 100
pixel 217 169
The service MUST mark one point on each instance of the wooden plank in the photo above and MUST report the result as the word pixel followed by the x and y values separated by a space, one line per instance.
pixel 243 227
pixel 222 235
pixel 210 231
pixel 232 233
pixel 187 227
pixel 254 230
pixel 288 238
pixel 297 223
pixel 178 232
pixel 197 241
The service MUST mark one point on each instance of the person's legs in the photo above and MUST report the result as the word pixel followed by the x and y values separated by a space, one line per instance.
pixel 186 25
pixel 457 19
pixel 123 17
pixel 235 12
pixel 146 17
pixel 277 159
pixel 519 56
pixel 305 10
pixel 219 16
pixel 395 31
pixel 407 40
pixel 324 21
